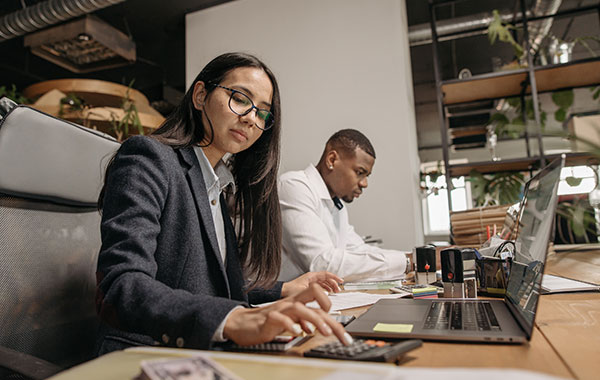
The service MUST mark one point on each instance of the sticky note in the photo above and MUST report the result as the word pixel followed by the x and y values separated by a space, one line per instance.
pixel 393 327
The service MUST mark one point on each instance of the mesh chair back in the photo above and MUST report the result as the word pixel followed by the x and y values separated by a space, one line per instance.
pixel 48 258
pixel 50 176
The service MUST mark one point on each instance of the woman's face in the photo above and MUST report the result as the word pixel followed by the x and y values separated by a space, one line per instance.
pixel 232 133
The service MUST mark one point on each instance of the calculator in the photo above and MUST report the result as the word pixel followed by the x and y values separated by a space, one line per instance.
pixel 365 350
pixel 279 344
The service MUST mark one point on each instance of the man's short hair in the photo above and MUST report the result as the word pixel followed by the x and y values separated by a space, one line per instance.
pixel 347 140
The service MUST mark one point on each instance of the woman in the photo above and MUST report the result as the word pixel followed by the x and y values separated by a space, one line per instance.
pixel 170 270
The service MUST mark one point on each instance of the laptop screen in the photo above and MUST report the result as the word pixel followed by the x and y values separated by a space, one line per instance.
pixel 535 225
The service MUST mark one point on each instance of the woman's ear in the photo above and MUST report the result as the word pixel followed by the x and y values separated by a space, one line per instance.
pixel 199 95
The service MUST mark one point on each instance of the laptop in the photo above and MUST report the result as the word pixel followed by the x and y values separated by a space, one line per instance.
pixel 475 320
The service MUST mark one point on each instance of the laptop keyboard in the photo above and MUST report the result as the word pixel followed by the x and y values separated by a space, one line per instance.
pixel 461 315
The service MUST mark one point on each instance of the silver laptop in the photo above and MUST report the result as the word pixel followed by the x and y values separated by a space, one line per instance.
pixel 509 320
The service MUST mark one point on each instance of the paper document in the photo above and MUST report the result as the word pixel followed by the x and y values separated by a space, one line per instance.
pixel 349 300
pixel 556 284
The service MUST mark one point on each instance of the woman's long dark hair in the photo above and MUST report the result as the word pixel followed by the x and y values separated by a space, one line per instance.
pixel 256 212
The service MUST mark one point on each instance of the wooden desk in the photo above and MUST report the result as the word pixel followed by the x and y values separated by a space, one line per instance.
pixel 570 322
pixel 565 341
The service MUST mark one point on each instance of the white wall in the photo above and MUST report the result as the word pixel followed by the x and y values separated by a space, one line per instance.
pixel 340 64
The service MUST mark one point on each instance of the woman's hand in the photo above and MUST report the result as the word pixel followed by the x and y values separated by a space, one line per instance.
pixel 259 325
pixel 328 281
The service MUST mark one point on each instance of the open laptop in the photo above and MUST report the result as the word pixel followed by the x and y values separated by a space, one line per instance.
pixel 509 320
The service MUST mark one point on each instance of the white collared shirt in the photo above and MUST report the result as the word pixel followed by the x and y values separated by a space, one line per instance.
pixel 216 180
pixel 317 235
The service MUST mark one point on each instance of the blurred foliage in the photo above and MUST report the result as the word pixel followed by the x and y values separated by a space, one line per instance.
pixel 131 117
pixel 13 94
pixel 495 189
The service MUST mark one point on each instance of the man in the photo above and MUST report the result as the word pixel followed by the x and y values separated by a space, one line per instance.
pixel 316 233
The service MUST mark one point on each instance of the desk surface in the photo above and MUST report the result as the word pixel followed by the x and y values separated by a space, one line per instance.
pixel 565 341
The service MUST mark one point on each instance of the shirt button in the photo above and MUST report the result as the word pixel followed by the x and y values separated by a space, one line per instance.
pixel 165 338
pixel 213 202
pixel 179 342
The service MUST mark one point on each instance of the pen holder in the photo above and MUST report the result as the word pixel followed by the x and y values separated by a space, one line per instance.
pixel 492 274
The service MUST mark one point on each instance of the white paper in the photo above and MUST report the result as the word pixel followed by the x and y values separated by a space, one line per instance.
pixel 556 284
pixel 349 300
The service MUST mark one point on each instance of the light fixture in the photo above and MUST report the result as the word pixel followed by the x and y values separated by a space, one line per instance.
pixel 84 45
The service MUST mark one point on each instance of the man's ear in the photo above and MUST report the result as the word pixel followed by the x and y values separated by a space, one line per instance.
pixel 199 95
pixel 331 159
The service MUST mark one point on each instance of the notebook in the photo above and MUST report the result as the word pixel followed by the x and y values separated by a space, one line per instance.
pixel 496 321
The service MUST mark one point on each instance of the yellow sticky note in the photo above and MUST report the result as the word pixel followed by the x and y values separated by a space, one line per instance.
pixel 393 327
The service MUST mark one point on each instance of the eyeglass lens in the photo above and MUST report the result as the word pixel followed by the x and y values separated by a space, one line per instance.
pixel 242 105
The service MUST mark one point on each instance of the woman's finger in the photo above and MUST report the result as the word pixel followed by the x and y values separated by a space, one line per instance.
pixel 326 276
pixel 336 328
pixel 334 285
pixel 300 312
pixel 327 286
pixel 314 292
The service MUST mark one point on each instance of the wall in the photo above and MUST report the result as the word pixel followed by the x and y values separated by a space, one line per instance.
pixel 340 64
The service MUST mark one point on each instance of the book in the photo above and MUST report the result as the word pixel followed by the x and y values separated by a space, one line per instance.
pixel 556 284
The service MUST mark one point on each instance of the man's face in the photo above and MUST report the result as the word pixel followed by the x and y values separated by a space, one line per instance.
pixel 349 175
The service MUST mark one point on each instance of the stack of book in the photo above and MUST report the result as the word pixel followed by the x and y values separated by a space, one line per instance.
pixel 472 228
pixel 427 292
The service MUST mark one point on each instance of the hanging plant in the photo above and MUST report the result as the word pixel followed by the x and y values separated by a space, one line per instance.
pixel 564 101
pixel 501 31
pixel 427 189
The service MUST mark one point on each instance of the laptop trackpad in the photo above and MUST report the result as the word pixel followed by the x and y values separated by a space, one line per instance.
pixel 397 311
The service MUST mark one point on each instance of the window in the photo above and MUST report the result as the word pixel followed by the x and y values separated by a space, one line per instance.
pixel 436 216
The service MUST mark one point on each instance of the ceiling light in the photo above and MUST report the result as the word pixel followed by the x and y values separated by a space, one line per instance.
pixel 84 45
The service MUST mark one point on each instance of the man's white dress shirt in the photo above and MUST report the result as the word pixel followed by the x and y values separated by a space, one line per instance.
pixel 317 235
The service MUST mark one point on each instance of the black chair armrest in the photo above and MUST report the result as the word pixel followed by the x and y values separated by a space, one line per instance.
pixel 26 365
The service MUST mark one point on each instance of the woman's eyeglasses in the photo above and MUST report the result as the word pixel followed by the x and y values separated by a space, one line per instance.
pixel 240 104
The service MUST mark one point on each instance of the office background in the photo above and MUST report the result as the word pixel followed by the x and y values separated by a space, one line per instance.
pixel 340 63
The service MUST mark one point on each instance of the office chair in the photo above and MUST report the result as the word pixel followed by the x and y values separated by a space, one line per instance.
pixel 51 172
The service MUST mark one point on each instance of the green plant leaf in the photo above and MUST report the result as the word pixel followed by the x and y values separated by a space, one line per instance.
pixel 573 181
pixel 560 115
pixel 518 121
pixel 514 101
pixel 563 99
pixel 498 30
pixel 577 223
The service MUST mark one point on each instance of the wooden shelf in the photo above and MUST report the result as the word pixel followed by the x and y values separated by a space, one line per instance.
pixel 509 83
pixel 520 164
pixel 94 92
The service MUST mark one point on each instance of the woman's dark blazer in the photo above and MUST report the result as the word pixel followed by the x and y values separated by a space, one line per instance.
pixel 160 276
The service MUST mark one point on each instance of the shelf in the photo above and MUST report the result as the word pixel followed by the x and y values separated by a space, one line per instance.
pixel 509 83
pixel 519 164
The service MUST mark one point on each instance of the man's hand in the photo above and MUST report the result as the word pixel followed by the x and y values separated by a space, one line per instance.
pixel 259 325
pixel 328 281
